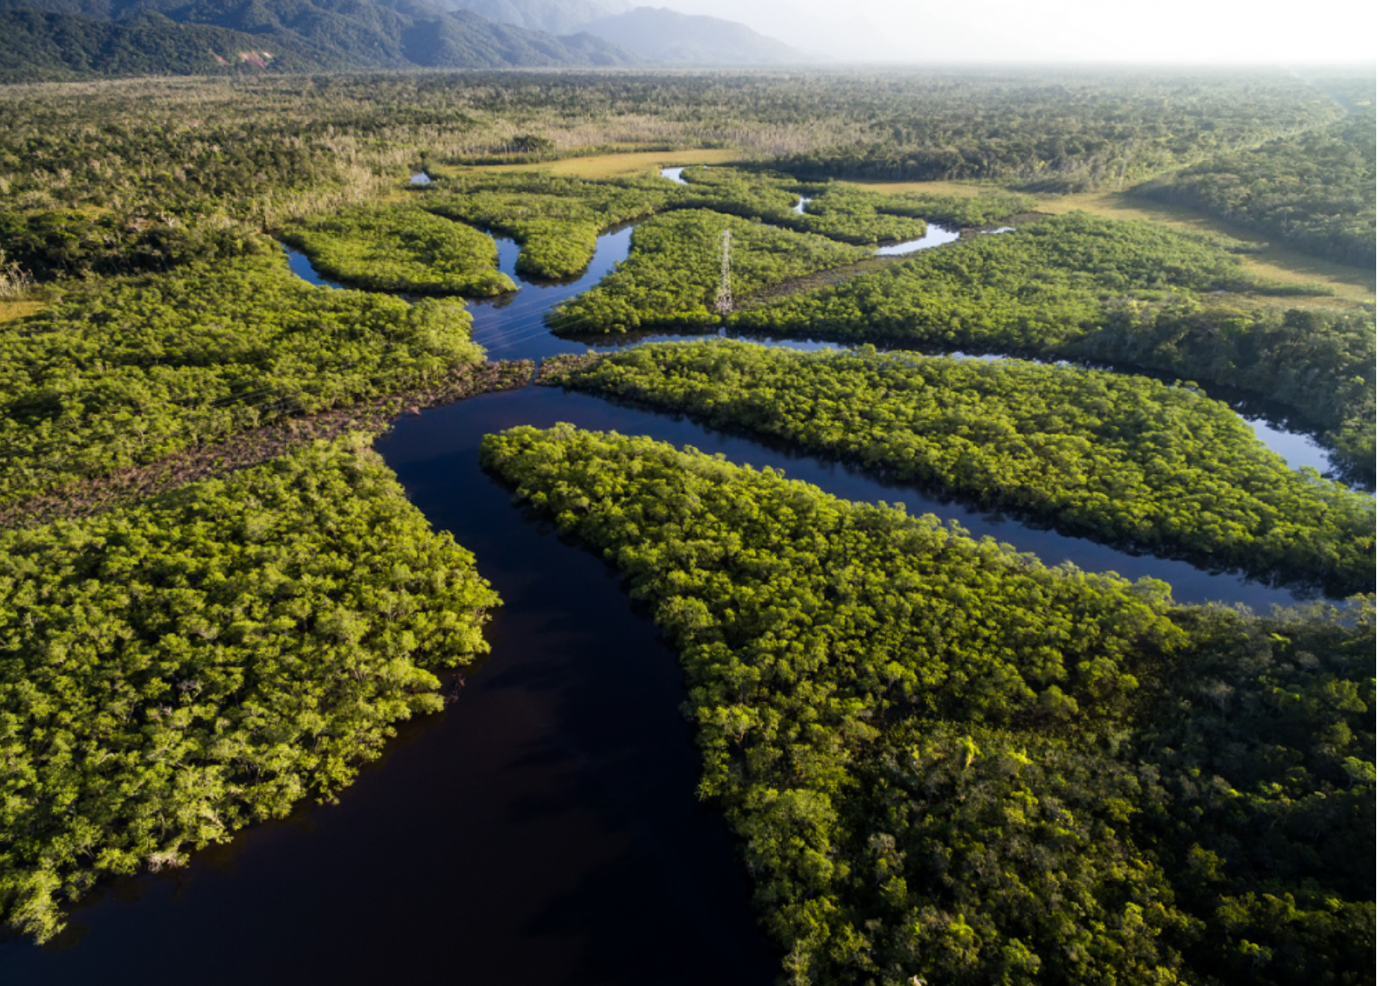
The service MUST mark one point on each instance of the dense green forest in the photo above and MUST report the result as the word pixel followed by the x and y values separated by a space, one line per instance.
pixel 1314 191
pixel 1119 458
pixel 191 146
pixel 671 277
pixel 948 763
pixel 126 372
pixel 62 244
pixel 556 220
pixel 840 212
pixel 401 248
pixel 1128 292
pixel 174 671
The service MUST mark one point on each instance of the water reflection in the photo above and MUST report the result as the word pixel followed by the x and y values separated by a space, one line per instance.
pixel 935 236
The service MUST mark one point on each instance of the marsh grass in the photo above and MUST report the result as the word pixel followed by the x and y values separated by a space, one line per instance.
pixel 617 164
pixel 1274 263
pixel 16 284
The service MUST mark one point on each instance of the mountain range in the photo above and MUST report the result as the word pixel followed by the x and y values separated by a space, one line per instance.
pixel 65 39
pixel 656 34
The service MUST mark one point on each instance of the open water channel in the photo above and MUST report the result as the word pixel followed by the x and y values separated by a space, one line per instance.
pixel 543 830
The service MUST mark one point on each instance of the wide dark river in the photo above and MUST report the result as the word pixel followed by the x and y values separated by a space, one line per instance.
pixel 544 829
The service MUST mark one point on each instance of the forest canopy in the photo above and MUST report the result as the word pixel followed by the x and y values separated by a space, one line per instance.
pixel 401 248
pixel 1131 293
pixel 948 763
pixel 1119 458
pixel 174 671
pixel 125 372
pixel 1313 190
pixel 672 275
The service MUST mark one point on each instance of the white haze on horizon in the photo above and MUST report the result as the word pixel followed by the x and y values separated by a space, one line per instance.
pixel 1170 31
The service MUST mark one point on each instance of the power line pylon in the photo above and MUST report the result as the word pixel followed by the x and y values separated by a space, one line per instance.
pixel 724 300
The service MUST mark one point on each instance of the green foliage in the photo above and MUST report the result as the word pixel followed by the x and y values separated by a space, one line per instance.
pixel 1056 132
pixel 67 243
pixel 401 248
pixel 1318 361
pixel 810 629
pixel 1126 292
pixel 1263 737
pixel 852 215
pixel 989 208
pixel 671 277
pixel 172 672
pixel 994 856
pixel 1036 288
pixel 840 212
pixel 128 372
pixel 1314 191
pixel 556 220
pixel 950 764
pixel 1120 458
pixel 164 145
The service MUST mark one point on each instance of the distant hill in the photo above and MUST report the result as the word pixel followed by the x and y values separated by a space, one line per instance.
pixel 74 38
pixel 662 35
pixel 657 34
pixel 37 46
pixel 555 16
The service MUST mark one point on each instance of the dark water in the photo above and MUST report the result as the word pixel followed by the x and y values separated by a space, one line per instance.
pixel 544 831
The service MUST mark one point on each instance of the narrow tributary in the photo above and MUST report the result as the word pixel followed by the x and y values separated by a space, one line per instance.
pixel 546 831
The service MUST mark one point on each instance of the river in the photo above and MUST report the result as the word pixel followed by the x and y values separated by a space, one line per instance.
pixel 544 830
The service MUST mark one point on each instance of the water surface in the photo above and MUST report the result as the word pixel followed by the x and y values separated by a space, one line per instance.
pixel 936 235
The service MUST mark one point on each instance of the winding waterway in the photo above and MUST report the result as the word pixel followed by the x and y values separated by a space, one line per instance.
pixel 544 831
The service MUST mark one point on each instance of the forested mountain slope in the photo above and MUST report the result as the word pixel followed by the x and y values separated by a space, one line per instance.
pixel 291 34
pixel 35 45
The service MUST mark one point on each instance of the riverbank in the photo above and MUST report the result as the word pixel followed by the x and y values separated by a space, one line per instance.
pixel 250 448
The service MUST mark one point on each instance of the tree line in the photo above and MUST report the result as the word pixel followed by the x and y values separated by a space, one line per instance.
pixel 1313 190
pixel 1119 458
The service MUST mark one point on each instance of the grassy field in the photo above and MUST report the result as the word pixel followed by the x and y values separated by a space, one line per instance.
pixel 10 310
pixel 1277 263
pixel 617 165
pixel 969 189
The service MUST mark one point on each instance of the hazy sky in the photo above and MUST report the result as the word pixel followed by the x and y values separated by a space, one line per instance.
pixel 1262 31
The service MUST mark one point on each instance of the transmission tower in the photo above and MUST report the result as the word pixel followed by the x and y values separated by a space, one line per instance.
pixel 724 301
